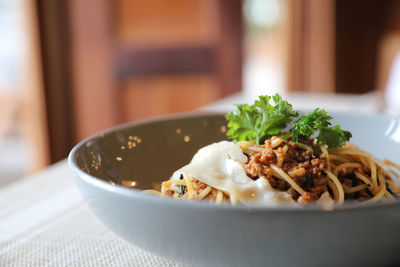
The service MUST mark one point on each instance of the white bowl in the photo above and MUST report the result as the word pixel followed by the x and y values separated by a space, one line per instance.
pixel 211 235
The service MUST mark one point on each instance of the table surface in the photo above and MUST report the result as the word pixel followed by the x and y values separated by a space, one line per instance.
pixel 45 222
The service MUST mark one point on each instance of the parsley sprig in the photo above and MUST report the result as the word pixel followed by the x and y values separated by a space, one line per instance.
pixel 319 120
pixel 264 119
pixel 260 120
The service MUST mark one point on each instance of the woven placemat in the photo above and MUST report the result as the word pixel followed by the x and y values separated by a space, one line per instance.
pixel 45 222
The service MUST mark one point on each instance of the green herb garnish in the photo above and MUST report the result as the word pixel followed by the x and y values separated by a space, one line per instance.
pixel 263 120
pixel 260 120
pixel 318 120
pixel 333 136
pixel 182 189
pixel 308 124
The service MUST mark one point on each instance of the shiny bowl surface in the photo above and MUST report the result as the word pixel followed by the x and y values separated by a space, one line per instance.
pixel 111 169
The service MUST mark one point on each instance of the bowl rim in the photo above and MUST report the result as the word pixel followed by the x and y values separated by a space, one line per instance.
pixel 138 194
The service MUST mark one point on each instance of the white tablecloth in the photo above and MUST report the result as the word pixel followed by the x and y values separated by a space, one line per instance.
pixel 45 222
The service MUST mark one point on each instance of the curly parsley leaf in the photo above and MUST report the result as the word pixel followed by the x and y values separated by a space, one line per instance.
pixel 241 123
pixel 308 124
pixel 261 120
pixel 264 119
pixel 333 136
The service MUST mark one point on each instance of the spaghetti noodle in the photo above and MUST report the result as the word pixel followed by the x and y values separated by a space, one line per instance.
pixel 282 171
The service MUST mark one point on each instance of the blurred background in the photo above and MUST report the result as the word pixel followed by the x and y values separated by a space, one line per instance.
pixel 70 68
